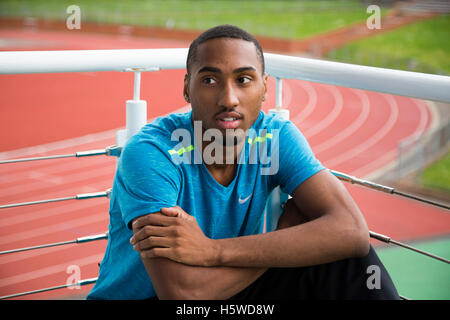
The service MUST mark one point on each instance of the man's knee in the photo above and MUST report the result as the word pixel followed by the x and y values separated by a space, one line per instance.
pixel 374 281
pixel 363 278
pixel 378 282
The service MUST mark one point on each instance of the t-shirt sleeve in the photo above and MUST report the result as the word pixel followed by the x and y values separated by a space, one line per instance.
pixel 146 181
pixel 297 162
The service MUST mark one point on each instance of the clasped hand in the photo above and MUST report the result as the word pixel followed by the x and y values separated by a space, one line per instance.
pixel 175 235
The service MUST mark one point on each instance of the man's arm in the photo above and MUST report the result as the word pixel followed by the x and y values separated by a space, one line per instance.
pixel 336 230
pixel 175 280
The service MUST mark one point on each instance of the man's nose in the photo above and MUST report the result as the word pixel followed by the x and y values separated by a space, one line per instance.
pixel 228 96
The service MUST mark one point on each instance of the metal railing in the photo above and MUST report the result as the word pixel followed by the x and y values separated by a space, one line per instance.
pixel 404 83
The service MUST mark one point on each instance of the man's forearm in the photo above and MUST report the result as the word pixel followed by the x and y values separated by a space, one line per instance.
pixel 328 226
pixel 319 241
pixel 174 279
pixel 200 283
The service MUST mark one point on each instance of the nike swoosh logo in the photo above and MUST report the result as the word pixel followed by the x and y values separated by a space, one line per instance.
pixel 242 201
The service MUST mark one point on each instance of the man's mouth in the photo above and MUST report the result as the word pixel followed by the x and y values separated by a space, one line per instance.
pixel 228 120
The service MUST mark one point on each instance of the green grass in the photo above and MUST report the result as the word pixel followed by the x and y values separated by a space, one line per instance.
pixel 417 276
pixel 438 174
pixel 283 19
pixel 422 47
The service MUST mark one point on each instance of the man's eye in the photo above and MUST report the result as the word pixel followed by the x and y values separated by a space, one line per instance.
pixel 209 80
pixel 244 80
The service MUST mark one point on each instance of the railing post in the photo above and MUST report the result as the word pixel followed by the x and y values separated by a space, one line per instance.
pixel 277 197
pixel 136 113
pixel 279 93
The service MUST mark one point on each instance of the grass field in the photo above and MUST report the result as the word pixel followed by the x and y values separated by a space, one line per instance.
pixel 437 176
pixel 422 47
pixel 283 19
pixel 416 276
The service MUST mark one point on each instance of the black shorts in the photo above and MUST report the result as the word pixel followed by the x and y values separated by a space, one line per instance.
pixel 349 279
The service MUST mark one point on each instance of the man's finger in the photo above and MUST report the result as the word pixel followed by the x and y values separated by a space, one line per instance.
pixel 159 253
pixel 148 231
pixel 176 212
pixel 152 242
pixel 171 211
pixel 154 219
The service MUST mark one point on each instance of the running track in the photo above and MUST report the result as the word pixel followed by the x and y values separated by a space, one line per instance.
pixel 352 131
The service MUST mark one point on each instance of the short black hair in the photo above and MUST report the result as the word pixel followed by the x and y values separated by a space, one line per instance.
pixel 223 31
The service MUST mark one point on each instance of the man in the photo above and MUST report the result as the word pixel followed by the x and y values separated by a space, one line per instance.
pixel 184 228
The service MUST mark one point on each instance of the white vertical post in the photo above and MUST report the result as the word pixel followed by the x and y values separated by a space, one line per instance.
pixel 279 93
pixel 137 85
pixel 136 113
pixel 283 113
pixel 277 197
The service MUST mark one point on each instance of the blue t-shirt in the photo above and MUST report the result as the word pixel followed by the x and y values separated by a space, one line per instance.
pixel 162 167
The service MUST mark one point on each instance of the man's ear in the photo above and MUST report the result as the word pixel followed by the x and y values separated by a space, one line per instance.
pixel 265 79
pixel 186 88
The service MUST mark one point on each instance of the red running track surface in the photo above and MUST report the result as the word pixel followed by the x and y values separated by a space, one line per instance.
pixel 351 131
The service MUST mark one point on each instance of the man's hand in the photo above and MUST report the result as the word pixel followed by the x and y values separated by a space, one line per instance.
pixel 175 235
pixel 176 255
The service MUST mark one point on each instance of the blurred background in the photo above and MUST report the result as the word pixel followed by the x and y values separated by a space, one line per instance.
pixel 412 36
pixel 421 44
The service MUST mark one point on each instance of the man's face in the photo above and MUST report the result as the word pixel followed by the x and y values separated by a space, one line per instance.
pixel 226 86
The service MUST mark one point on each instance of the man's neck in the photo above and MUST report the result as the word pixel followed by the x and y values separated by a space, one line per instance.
pixel 224 170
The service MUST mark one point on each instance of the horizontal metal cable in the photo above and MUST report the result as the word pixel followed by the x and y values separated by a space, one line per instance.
pixel 109 151
pixel 386 189
pixel 387 239
pixel 78 240
pixel 78 283
pixel 38 158
pixel 414 197
pixel 82 196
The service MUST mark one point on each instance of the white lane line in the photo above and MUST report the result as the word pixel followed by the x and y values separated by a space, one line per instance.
pixel 70 207
pixel 52 174
pixel 20 256
pixel 58 268
pixel 349 130
pixel 56 174
pixel 65 226
pixel 26 171
pixel 422 126
pixel 331 117
pixel 68 179
pixel 369 168
pixel 58 145
pixel 72 142
pixel 374 139
pixel 310 106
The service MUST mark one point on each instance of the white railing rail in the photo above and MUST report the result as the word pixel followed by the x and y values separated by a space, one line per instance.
pixel 403 83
